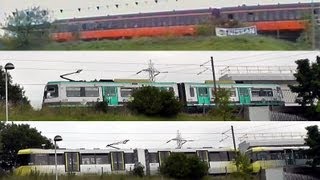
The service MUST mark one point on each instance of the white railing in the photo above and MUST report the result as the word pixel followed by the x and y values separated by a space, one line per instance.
pixel 258 70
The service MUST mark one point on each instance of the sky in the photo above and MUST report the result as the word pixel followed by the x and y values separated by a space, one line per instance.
pixel 141 134
pixel 33 69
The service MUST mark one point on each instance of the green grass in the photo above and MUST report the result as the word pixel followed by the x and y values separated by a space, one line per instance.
pixel 183 43
pixel 88 114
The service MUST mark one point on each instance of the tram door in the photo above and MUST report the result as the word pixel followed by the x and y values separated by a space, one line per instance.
pixel 244 96
pixel 203 96
pixel 289 157
pixel 163 155
pixel 72 163
pixel 117 161
pixel 110 95
pixel 203 156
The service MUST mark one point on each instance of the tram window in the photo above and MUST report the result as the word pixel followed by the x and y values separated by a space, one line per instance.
pixel 276 155
pixel 102 159
pixel 40 159
pixel 263 156
pixel 52 91
pixel 110 91
pixel 153 158
pixel 203 155
pixel 276 15
pixel 60 159
pixel 129 158
pixel 73 91
pixel 190 154
pixel 230 16
pixel 117 162
pixel 250 16
pixel 88 159
pixel 203 91
pixel 191 92
pixel 125 92
pixel 218 156
pixel 92 91
pixel 231 156
pixel 261 92
pixel 24 159
pixel 291 15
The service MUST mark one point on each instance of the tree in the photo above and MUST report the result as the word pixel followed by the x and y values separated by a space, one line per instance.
pixel 152 101
pixel 313 141
pixel 27 28
pixel 243 165
pixel 308 78
pixel 179 166
pixel 16 93
pixel 223 107
pixel 14 137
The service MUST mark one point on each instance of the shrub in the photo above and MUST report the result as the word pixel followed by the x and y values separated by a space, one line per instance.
pixel 101 107
pixel 179 166
pixel 138 170
pixel 152 101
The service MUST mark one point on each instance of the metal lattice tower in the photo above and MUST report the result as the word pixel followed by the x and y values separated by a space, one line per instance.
pixel 180 141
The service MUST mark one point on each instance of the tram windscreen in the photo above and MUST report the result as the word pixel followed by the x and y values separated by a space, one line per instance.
pixel 23 160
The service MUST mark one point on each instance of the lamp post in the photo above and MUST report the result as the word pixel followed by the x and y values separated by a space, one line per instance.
pixel 56 138
pixel 8 66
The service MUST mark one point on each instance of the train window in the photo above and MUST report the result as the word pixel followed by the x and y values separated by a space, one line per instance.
pixel 102 159
pixel 276 15
pixel 191 92
pixel 125 92
pixel 218 156
pixel 73 91
pixel 110 91
pixel 230 16
pixel 129 158
pixel 91 91
pixel 153 157
pixel 276 155
pixel 291 15
pixel 40 159
pixel 261 92
pixel 60 159
pixel 250 16
pixel 24 159
pixel 51 91
pixel 88 159
pixel 190 154
pixel 203 91
pixel 84 26
pixel 231 156
pixel 263 156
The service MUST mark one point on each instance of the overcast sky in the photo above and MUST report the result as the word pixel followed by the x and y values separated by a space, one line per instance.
pixel 35 68
pixel 155 134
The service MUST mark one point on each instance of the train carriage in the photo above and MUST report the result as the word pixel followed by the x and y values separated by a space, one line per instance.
pixel 81 93
pixel 201 94
pixel 273 157
pixel 99 161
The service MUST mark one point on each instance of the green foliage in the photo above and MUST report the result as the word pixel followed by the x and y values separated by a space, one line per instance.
pixel 179 166
pixel 223 107
pixel 208 28
pixel 14 137
pixel 16 94
pixel 243 165
pixel 307 76
pixel 152 101
pixel 182 43
pixel 138 170
pixel 313 141
pixel 101 107
pixel 27 29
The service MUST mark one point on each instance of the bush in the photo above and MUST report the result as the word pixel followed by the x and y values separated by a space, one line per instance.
pixel 179 166
pixel 101 107
pixel 152 101
pixel 138 170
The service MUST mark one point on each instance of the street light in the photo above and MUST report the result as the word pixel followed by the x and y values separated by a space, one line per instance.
pixel 8 66
pixel 56 138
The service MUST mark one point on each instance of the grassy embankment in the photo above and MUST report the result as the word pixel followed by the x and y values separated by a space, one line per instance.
pixel 89 114
pixel 182 43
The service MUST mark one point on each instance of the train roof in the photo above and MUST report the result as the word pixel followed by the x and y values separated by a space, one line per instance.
pixel 229 84
pixel 262 149
pixel 60 151
pixel 135 15
pixel 270 6
pixel 108 82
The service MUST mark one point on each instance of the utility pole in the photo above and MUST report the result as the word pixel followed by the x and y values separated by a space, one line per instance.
pixel 213 76
pixel 233 139
pixel 153 72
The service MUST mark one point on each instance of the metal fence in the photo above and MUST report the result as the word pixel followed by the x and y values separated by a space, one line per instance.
pixel 278 116
pixel 292 176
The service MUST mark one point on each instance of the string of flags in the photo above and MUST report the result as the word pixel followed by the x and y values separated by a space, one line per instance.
pixel 117 6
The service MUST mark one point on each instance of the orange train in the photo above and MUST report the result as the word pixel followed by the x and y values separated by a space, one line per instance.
pixel 269 19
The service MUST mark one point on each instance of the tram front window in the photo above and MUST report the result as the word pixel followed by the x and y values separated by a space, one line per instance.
pixel 23 159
